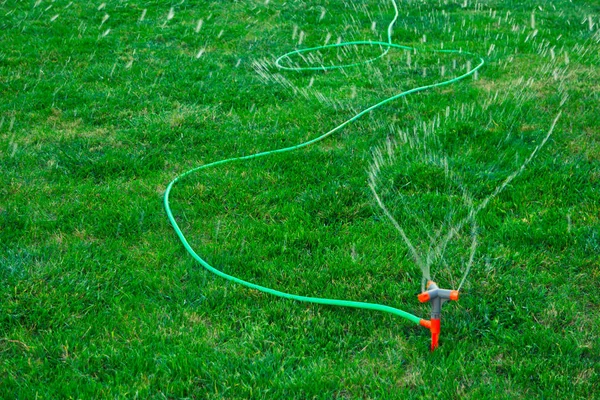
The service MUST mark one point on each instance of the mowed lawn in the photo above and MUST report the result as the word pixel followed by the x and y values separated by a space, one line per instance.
pixel 104 103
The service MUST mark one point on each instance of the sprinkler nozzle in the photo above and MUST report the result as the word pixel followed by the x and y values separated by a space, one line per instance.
pixel 436 297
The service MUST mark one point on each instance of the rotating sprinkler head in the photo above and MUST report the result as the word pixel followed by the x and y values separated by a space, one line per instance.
pixel 436 297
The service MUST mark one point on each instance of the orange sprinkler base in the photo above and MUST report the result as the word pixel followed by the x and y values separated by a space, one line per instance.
pixel 435 333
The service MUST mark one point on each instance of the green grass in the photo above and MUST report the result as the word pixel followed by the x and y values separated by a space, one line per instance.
pixel 99 299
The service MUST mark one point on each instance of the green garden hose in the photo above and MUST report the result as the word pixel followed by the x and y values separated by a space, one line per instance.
pixel 387 45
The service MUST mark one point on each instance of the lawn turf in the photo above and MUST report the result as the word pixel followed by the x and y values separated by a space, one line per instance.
pixel 104 103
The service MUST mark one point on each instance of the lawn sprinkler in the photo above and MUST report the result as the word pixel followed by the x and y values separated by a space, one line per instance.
pixel 436 297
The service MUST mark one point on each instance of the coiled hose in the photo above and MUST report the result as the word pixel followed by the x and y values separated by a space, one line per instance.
pixel 387 45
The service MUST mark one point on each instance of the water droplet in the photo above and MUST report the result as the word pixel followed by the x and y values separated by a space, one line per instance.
pixel 323 12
